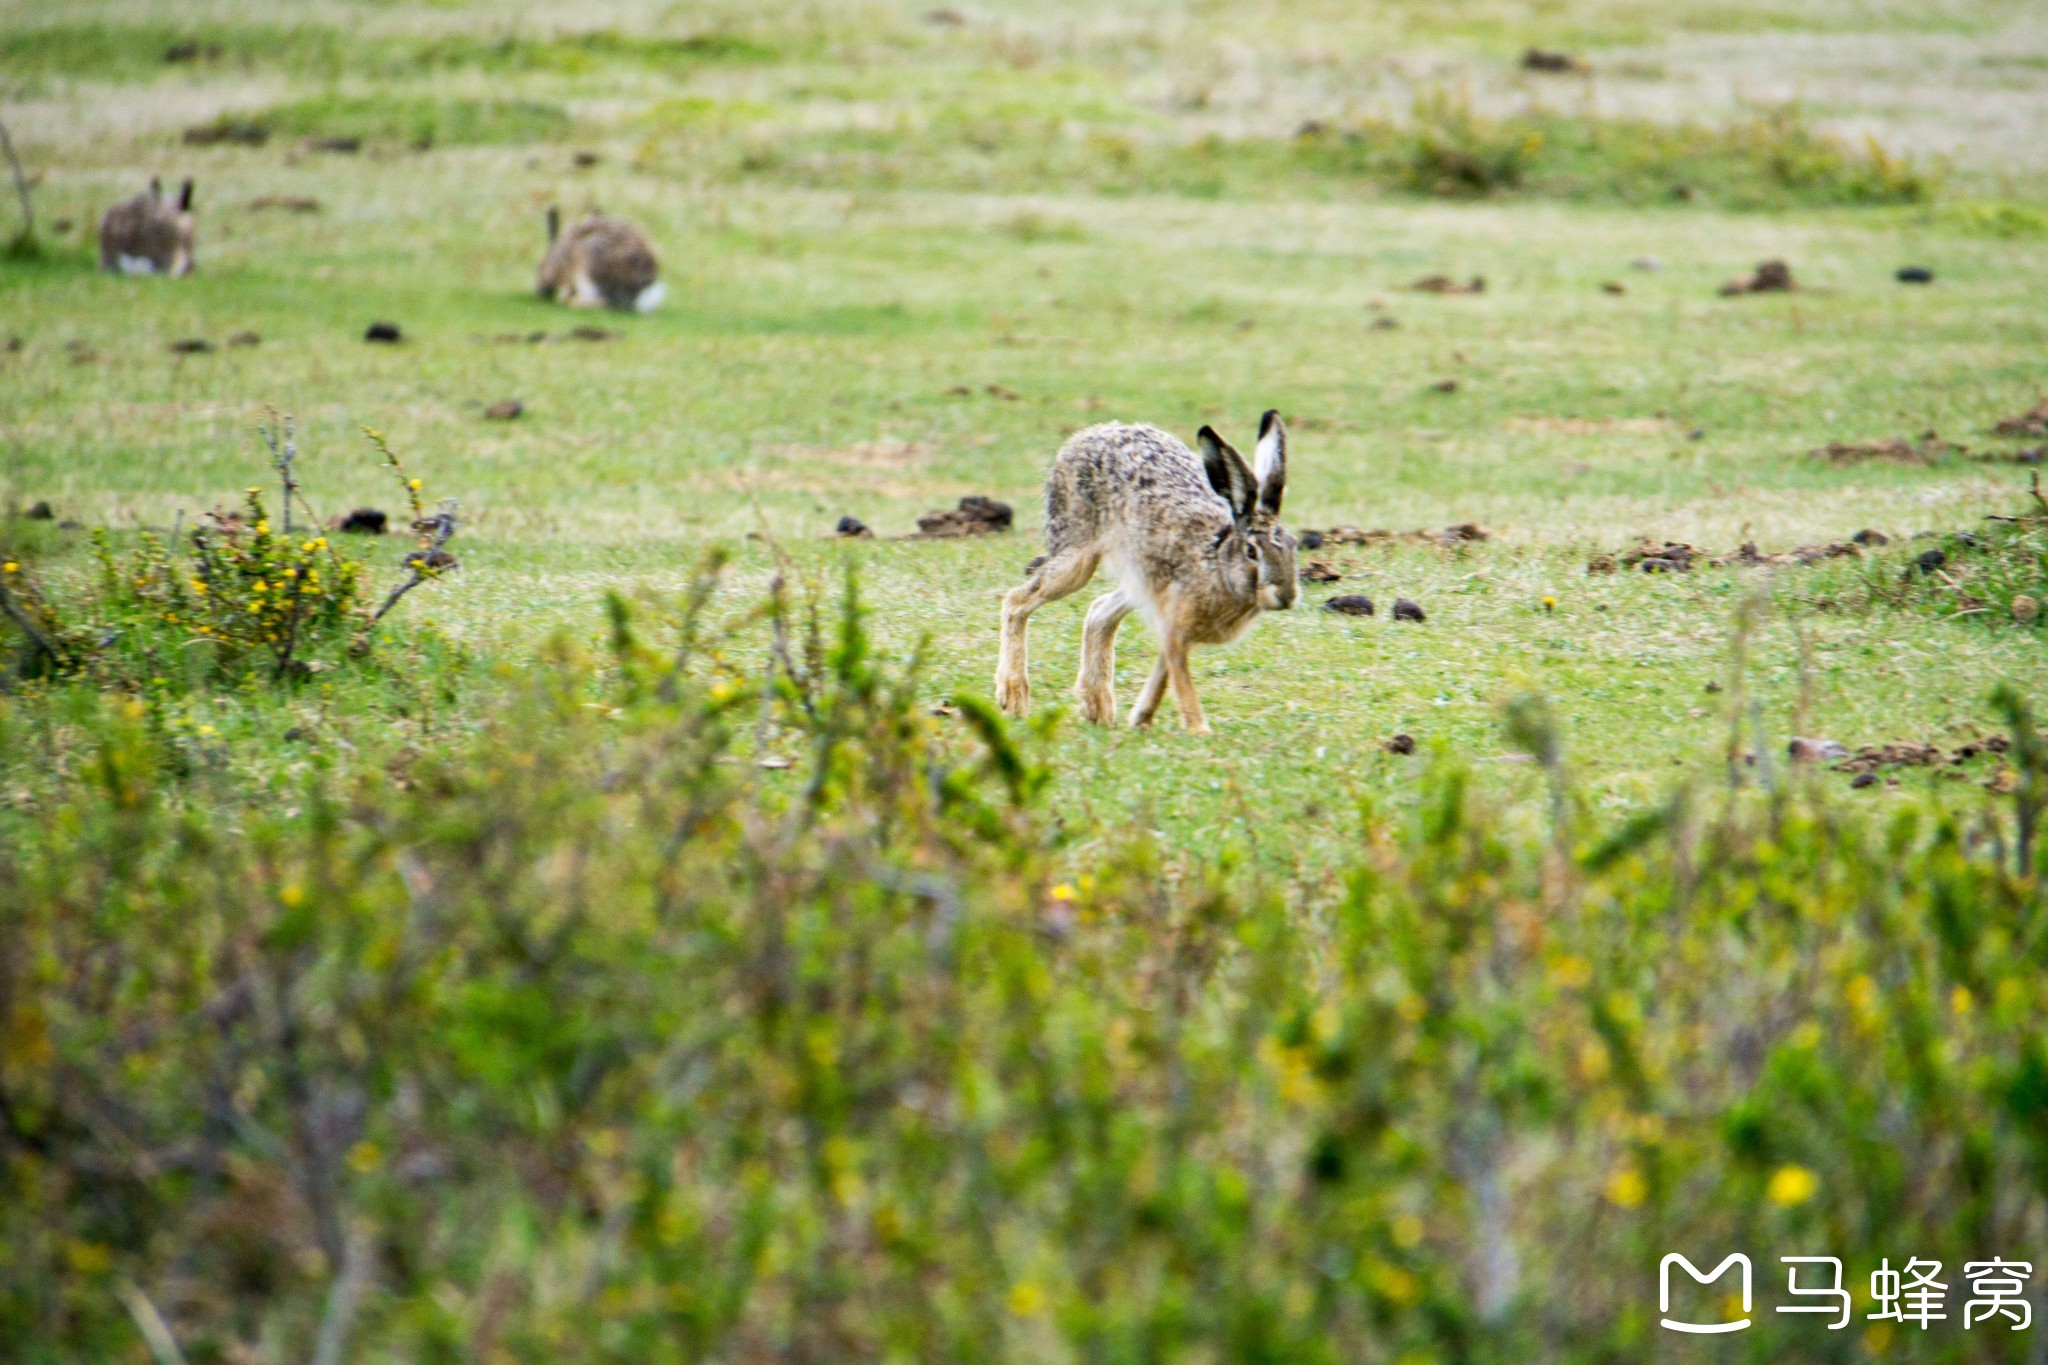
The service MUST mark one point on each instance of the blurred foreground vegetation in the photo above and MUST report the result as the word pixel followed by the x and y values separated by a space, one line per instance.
pixel 688 1009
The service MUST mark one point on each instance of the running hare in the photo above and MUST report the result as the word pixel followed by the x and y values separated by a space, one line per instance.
pixel 1195 544
pixel 143 235
pixel 599 262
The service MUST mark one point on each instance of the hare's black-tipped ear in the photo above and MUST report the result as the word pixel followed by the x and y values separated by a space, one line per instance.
pixel 185 197
pixel 1269 461
pixel 1228 473
pixel 554 224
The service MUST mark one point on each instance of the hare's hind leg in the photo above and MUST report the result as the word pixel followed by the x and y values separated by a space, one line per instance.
pixel 1096 687
pixel 1062 573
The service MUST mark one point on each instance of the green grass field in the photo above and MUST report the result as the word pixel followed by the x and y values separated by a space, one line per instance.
pixel 908 250
pixel 827 309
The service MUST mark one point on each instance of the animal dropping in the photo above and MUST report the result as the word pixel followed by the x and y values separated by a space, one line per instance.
pixel 387 333
pixel 504 410
pixel 1405 610
pixel 1350 604
pixel 1194 544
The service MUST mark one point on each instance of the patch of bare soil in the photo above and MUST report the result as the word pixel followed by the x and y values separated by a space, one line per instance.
pixel 1929 449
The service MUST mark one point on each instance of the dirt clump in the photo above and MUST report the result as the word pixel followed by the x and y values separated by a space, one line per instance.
pixel 387 333
pixel 1929 449
pixel 1769 277
pixel 1554 63
pixel 1350 604
pixel 975 516
pixel 1400 744
pixel 852 528
pixel 2033 422
pixel 1319 572
pixel 1444 284
pixel 1405 610
pixel 363 521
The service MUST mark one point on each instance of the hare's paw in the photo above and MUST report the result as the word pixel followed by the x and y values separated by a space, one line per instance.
pixel 1098 705
pixel 1013 692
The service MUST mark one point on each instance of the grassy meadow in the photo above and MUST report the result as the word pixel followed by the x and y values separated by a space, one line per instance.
pixel 907 251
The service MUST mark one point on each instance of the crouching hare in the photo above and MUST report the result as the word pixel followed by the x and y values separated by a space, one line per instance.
pixel 1194 544
pixel 599 262
pixel 144 235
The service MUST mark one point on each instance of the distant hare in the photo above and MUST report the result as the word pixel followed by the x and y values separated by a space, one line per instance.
pixel 599 262
pixel 144 235
pixel 1195 544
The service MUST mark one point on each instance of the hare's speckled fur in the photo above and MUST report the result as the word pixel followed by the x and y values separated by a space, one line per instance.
pixel 1195 543
pixel 145 235
pixel 599 262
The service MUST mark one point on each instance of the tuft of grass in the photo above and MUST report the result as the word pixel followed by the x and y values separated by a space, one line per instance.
pixel 419 122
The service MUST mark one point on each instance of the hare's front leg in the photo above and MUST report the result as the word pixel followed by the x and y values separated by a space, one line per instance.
pixel 1175 659
pixel 1061 574
pixel 1096 687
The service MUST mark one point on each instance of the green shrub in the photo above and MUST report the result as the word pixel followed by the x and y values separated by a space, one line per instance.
pixel 686 1012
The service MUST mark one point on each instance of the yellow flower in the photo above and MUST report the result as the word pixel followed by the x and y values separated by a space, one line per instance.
pixel 1791 1186
pixel 364 1157
pixel 1407 1230
pixel 413 484
pixel 1626 1188
pixel 1550 604
pixel 1063 892
pixel 10 566
pixel 1961 1001
pixel 292 895
pixel 1027 1300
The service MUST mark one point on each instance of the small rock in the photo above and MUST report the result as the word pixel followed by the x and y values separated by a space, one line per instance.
pixel 386 332
pixel 1864 780
pixel 1310 540
pixel 1405 610
pixel 1870 539
pixel 364 521
pixel 504 410
pixel 192 346
pixel 2024 609
pixel 1319 572
pixel 1350 604
pixel 1915 274
pixel 1696 434
pixel 1930 560
pixel 1646 263
pixel 1613 287
pixel 853 528
pixel 40 511
pixel 1400 744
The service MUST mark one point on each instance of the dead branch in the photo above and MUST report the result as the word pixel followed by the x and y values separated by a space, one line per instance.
pixel 149 1322
pixel 338 1319
pixel 28 626
pixel 281 456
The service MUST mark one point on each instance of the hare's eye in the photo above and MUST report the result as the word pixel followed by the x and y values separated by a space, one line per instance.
pixel 1251 550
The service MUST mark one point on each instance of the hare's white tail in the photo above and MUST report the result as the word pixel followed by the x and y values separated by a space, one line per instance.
pixel 650 298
